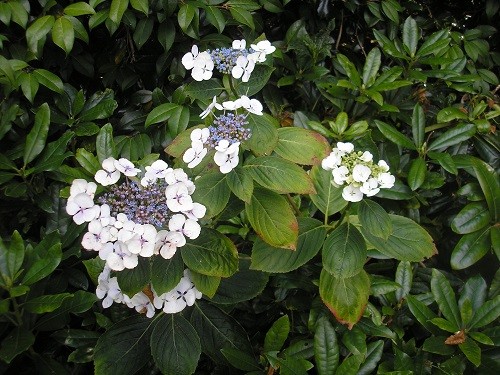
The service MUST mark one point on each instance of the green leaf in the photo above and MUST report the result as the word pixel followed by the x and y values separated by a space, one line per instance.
pixel 37 31
pixel 418 125
pixel 264 134
pixel 218 330
pixel 408 241
pixel 445 160
pixel 87 160
pixel 416 174
pixel 410 36
pixel 242 16
pixel 16 342
pixel 487 313
pixel 374 219
pixel 273 259
pixel 373 356
pixel 211 254
pixel 328 198
pixel 355 341
pixel 178 121
pixel 185 16
pixel 434 43
pixel 215 17
pixel 140 5
pixel 345 297
pixel 29 85
pixel 166 273
pixel 63 34
pixel 105 145
pixel 116 10
pixel 272 218
pixel 213 192
pixel 47 303
pixel 471 218
pixel 161 113
pixel 241 183
pixel 472 351
pixel 470 249
pixel 11 259
pixel 371 67
pixel 166 35
pixel 280 175
pixel 302 146
pixel 134 280
pixel 49 80
pixel 451 137
pixel 78 9
pixel 326 347
pixel 404 277
pixel 124 348
pixel 449 114
pixel 204 90
pixel 422 313
pixel 47 256
pixel 277 334
pixel 143 31
pixel 207 285
pixel 394 135
pixel 349 69
pixel 53 154
pixel 175 345
pixel 240 360
pixel 36 138
pixel 445 298
pixel 101 105
pixel 344 251
pixel 488 179
pixel 259 78
pixel 18 13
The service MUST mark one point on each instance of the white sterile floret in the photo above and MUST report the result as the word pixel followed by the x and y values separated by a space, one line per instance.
pixel 239 44
pixel 366 156
pixel 203 67
pixel 340 174
pixel 82 208
pixel 108 175
pixel 178 198
pixel 117 256
pixel 370 187
pixel 167 243
pixel 105 216
pixel 262 49
pixel 227 148
pixel 200 135
pixel 108 290
pixel 143 241
pixel 345 147
pixel 142 304
pixel 243 68
pixel 333 160
pixel 232 105
pixel 197 212
pixel 361 173
pixel 176 300
pixel 251 105
pixel 386 180
pixel 188 227
pixel 383 165
pixel 158 169
pixel 80 185
pixel 194 155
pixel 352 193
pixel 208 110
pixel 126 167
pixel 96 237
pixel 226 161
pixel 189 58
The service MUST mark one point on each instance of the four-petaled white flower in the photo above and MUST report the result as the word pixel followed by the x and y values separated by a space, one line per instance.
pixel 226 161
pixel 82 208
pixel 79 185
pixel 262 49
pixel 208 110
pixel 108 175
pixel 189 58
pixel 243 68
pixel 200 135
pixel 176 300
pixel 195 154
pixel 239 44
pixel 232 105
pixel 117 256
pixel 386 180
pixel 345 147
pixel 178 197
pixel 143 241
pixel 352 193
pixel 126 167
pixel 340 174
pixel 360 173
pixel 188 227
pixel 370 187
pixel 251 105
pixel 167 243
pixel 203 67
pixel 96 237
pixel 142 304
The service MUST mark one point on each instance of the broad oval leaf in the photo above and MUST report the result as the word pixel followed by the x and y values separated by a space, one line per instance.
pixel 161 113
pixel 302 146
pixel 394 135
pixel 280 175
pixel 410 36
pixel 408 241
pixel 445 298
pixel 36 138
pixel 470 249
pixel 46 303
pixel 166 273
pixel 241 183
pixel 78 9
pixel 38 30
pixel 277 334
pixel 344 251
pixel 116 10
pixel 259 78
pixel 471 218
pixel 272 218
pixel 211 254
pixel 328 198
pixel 374 219
pixel 213 192
pixel 264 134
pixel 371 67
pixel 416 174
pixel 345 297
pixel 49 80
pixel 105 145
pixel 487 313
pixel 63 34
pixel 175 345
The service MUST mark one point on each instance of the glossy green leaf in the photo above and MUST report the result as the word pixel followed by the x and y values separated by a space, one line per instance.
pixel 240 360
pixel 472 351
pixel 11 259
pixel 418 125
pixel 302 146
pixel 277 334
pixel 140 5
pixel 451 137
pixel 19 14
pixel 211 254
pixel 451 113
pixel 87 160
pixel 470 249
pixel 15 343
pixel 416 174
pixel 216 18
pixel 161 113
pixel 259 78
pixel 488 179
pixel 204 90
pixel 207 285
pixel 241 183
pixel 29 85
pixel 345 297
pixel 434 43
pixel 143 31
pixel 445 160
pixel 350 70
pixel 279 175
pixel 48 79
pixel 391 9
pixel 46 303
pixel 487 313
pixel 328 198
pixel 445 298
pixel 213 192
pixel 272 218
pixel 326 348
pixel 100 105
pixel 105 145
pixel 116 10
pixel 124 348
pixel 373 356
pixel 264 134
pixel 242 16
pixel 175 345
pixel 36 138
pixel 410 36
pixel 38 30
pixel 78 9
pixel 374 219
pixel 166 35
pixel 422 313
pixel 394 135
pixel 273 259
pixel 166 273
pixel 344 251
pixel 47 256
pixel 134 280
pixel 371 67
pixel 404 277
pixel 471 218
pixel 63 34
pixel 408 241
pixel 53 154
pixel 186 15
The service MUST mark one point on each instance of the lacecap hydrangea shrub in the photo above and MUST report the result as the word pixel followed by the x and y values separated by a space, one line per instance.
pixel 259 187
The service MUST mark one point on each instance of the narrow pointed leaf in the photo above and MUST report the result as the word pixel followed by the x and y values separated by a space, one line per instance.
pixel 486 314
pixel 410 36
pixel 63 34
pixel 470 249
pixel 277 334
pixel 371 67
pixel 118 7
pixel 445 298
pixel 36 138
pixel 326 348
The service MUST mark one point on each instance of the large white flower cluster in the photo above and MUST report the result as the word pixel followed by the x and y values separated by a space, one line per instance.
pixel 357 171
pixel 225 135
pixel 236 60
pixel 143 216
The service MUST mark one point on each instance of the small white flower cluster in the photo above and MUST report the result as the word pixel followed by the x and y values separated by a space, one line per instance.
pixel 184 294
pixel 225 135
pixel 131 219
pixel 237 60
pixel 357 171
